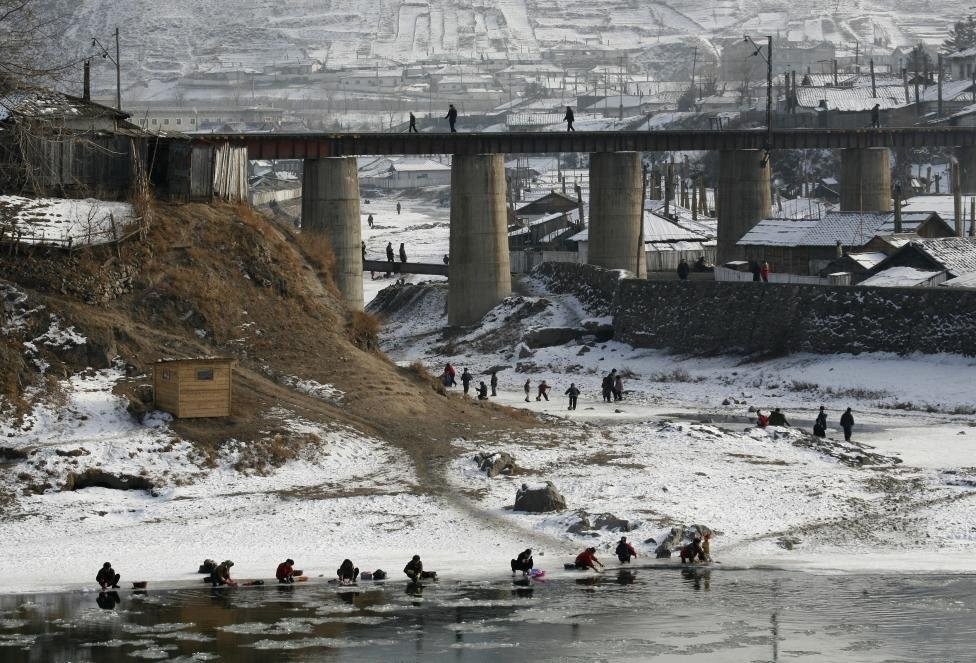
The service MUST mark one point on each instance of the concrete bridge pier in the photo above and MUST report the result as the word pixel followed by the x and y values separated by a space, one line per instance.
pixel 330 207
pixel 743 198
pixel 967 168
pixel 616 212
pixel 480 274
pixel 865 180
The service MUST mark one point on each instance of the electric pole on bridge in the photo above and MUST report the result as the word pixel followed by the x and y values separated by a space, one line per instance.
pixel 768 57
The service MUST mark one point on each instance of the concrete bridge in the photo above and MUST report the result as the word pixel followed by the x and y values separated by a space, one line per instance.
pixel 479 273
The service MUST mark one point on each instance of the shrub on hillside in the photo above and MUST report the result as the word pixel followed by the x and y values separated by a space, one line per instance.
pixel 364 330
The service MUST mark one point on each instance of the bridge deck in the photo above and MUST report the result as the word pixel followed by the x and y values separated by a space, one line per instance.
pixel 404 267
pixel 315 145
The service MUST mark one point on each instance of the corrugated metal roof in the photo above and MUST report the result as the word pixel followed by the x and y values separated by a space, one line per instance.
pixel 956 254
pixel 851 99
pixel 963 281
pixel 950 90
pixel 900 277
pixel 848 228
pixel 868 259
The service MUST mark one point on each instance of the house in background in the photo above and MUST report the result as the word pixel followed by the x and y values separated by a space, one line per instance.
pixel 905 277
pixel 955 256
pixel 403 173
pixel 808 246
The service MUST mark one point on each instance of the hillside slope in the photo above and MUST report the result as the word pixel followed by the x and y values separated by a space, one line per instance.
pixel 221 280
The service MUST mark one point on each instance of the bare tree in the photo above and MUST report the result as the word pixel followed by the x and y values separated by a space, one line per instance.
pixel 31 48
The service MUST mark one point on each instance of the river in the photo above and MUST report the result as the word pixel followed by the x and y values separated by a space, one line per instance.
pixel 664 614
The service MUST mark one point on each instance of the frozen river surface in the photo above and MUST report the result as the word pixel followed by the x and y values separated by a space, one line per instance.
pixel 662 613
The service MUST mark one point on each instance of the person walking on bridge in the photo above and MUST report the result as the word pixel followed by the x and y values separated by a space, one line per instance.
pixel 876 116
pixel 569 118
pixel 389 258
pixel 403 253
pixel 452 118
pixel 413 124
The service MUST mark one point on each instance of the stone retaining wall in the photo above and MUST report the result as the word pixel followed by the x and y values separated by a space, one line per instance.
pixel 763 318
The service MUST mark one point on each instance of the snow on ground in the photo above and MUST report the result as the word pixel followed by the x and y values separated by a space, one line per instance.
pixel 650 458
pixel 346 495
pixel 81 222
pixel 422 226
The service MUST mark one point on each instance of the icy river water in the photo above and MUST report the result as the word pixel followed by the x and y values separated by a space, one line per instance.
pixel 665 614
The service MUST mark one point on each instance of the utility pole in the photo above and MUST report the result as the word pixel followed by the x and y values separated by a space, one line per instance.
pixel 118 74
pixel 118 66
pixel 768 57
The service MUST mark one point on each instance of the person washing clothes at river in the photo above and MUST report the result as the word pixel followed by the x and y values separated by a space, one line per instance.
pixel 221 575
pixel 762 420
pixel 347 572
pixel 692 551
pixel 573 394
pixel 482 391
pixel 847 423
pixel 523 562
pixel 820 425
pixel 543 391
pixel 587 560
pixel 107 577
pixel 415 570
pixel 285 573
pixel 625 551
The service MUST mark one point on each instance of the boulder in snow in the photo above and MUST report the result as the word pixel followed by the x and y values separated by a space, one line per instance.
pixel 539 498
pixel 495 463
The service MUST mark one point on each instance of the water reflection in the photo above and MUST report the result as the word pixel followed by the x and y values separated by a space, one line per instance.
pixel 108 600
pixel 746 616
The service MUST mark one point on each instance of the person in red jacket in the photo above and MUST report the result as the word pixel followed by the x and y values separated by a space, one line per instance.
pixel 762 420
pixel 587 559
pixel 285 572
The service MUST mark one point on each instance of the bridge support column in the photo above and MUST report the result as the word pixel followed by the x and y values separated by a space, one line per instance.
pixel 743 198
pixel 865 180
pixel 479 274
pixel 616 211
pixel 967 168
pixel 330 207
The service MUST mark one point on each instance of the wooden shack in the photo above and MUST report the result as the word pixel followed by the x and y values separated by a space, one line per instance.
pixel 188 388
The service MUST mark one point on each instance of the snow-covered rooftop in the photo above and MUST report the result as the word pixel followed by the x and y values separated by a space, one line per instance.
pixel 900 277
pixel 852 99
pixel 848 228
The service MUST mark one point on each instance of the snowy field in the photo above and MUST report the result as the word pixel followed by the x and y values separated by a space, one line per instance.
pixel 680 448
pixel 63 220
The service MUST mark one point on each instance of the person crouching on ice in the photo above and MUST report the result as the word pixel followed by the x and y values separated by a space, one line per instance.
pixel 523 562
pixel 587 559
